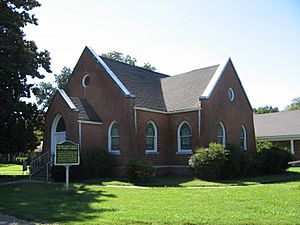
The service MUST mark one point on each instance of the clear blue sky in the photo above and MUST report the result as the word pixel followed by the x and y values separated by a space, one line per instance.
pixel 176 36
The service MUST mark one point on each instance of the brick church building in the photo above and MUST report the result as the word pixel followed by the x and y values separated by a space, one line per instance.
pixel 139 114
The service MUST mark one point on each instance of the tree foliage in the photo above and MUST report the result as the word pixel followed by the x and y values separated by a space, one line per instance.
pixel 45 91
pixel 265 109
pixel 295 105
pixel 118 56
pixel 19 59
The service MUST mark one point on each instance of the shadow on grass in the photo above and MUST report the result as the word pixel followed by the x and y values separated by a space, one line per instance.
pixel 190 181
pixel 52 203
pixel 264 179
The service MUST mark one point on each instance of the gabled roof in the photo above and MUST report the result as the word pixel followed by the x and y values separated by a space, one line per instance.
pixel 86 111
pixel 144 84
pixel 277 125
pixel 161 92
pixel 183 91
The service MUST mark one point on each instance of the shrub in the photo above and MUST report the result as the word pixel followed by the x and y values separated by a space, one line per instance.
pixel 94 163
pixel 273 159
pixel 207 163
pixel 249 164
pixel 232 166
pixel 139 170
pixel 20 160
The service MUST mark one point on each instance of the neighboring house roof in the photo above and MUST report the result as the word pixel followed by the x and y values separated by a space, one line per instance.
pixel 277 126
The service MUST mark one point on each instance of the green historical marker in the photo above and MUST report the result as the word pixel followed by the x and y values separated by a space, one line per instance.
pixel 67 154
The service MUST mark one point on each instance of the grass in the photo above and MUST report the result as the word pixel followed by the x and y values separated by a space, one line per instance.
pixel 92 204
pixel 277 203
pixel 293 174
pixel 12 170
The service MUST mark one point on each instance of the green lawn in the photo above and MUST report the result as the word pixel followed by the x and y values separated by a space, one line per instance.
pixel 94 204
pixel 293 174
pixel 12 170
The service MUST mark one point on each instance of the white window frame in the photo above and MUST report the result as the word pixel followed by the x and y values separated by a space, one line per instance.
pixel 244 147
pixel 231 94
pixel 113 152
pixel 155 138
pixel 179 150
pixel 224 133
pixel 83 80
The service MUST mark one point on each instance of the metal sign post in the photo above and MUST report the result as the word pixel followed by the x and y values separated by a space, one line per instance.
pixel 67 177
pixel 67 154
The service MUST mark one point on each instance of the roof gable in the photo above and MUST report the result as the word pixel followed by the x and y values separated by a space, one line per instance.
pixel 121 86
pixel 161 92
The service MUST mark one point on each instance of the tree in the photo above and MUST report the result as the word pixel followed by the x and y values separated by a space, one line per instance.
pixel 148 66
pixel 118 56
pixel 19 59
pixel 62 78
pixel 265 109
pixel 295 105
pixel 45 91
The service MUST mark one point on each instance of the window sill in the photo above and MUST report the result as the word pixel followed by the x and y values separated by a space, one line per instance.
pixel 151 153
pixel 114 152
pixel 184 152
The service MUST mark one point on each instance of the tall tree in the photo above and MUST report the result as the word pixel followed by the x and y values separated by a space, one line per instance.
pixel 295 105
pixel 45 91
pixel 19 59
pixel 118 56
pixel 148 66
pixel 265 109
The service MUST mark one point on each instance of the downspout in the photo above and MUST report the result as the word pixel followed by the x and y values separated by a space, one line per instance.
pixel 79 132
pixel 135 119
pixel 199 119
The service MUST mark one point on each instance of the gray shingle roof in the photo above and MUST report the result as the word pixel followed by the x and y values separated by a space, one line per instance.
pixel 86 111
pixel 144 84
pixel 277 124
pixel 159 91
pixel 183 91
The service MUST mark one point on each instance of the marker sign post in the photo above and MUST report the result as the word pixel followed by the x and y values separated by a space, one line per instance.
pixel 67 154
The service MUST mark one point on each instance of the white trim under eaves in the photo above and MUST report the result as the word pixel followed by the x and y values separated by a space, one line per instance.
pixel 111 74
pixel 214 80
pixel 278 138
pixel 67 100
pixel 89 122
pixel 164 112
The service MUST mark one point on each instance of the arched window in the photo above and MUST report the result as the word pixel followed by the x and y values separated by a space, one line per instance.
pixel 114 138
pixel 243 138
pixel 221 134
pixel 58 132
pixel 184 135
pixel 151 137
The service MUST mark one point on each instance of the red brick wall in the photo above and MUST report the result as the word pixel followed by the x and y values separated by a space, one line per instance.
pixel 109 103
pixel 175 121
pixel 59 106
pixel 162 124
pixel 167 125
pixel 233 114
